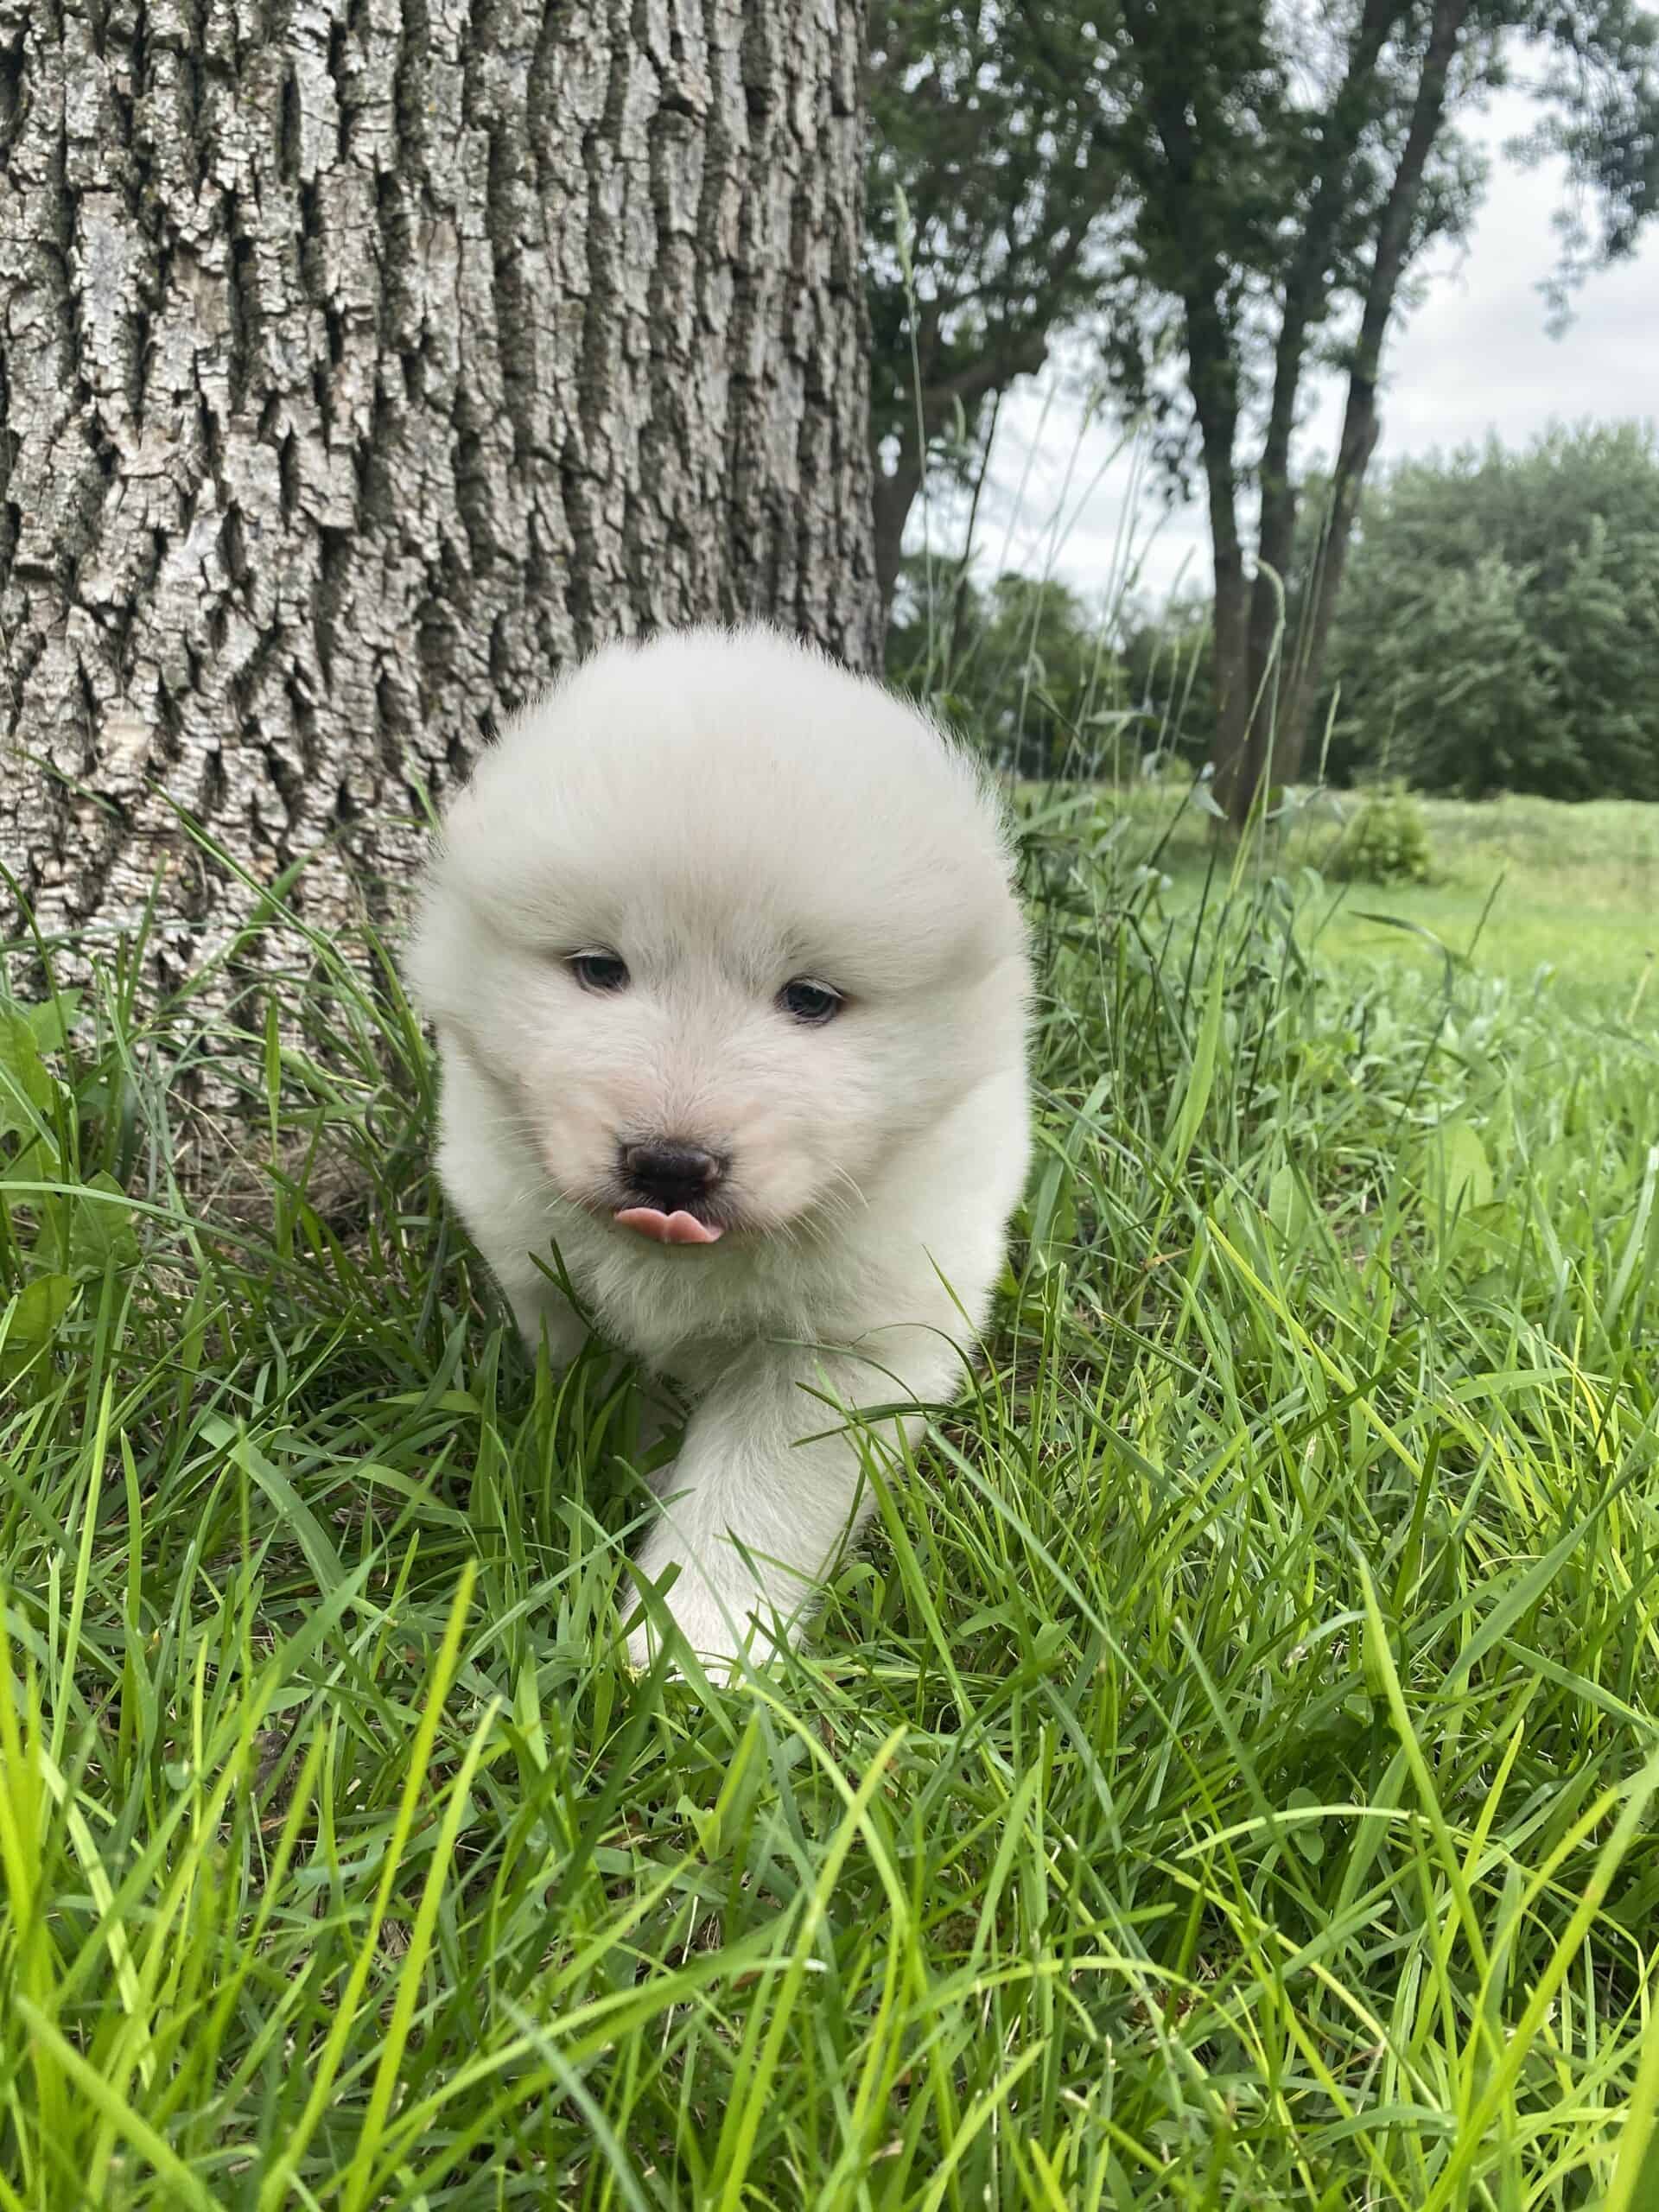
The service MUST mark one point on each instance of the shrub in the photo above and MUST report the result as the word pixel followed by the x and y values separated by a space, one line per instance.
pixel 1386 842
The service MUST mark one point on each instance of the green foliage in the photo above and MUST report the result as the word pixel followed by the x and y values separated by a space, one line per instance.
pixel 1501 626
pixel 1248 194
pixel 1170 660
pixel 1024 669
pixel 1386 842
pixel 1045 685
pixel 987 126
pixel 64 1219
pixel 1226 1780
pixel 1264 185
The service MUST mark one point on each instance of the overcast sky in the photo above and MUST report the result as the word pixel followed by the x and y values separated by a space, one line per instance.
pixel 1475 357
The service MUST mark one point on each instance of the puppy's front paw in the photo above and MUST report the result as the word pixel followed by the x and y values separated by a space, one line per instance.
pixel 717 1637
pixel 719 1623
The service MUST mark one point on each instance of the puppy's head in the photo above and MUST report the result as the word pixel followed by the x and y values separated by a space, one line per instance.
pixel 726 929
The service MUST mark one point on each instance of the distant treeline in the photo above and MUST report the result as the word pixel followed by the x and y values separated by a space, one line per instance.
pixel 1499 630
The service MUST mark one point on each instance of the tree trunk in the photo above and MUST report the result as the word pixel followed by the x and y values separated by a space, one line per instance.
pixel 893 496
pixel 1213 381
pixel 1213 375
pixel 1360 424
pixel 1308 294
pixel 1234 786
pixel 363 362
pixel 896 490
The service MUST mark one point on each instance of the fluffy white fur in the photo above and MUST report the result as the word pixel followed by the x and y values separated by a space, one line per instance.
pixel 727 812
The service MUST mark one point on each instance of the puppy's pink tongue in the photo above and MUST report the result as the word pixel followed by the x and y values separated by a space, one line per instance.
pixel 667 1228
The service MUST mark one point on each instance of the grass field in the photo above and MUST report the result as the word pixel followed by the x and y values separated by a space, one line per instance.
pixel 1520 888
pixel 1228 1779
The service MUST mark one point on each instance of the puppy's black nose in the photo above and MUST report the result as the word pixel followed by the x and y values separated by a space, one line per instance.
pixel 670 1175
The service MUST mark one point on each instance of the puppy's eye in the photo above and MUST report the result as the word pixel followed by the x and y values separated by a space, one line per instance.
pixel 813 1002
pixel 599 971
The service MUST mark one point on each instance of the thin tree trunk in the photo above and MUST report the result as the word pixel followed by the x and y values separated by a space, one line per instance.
pixel 1212 377
pixel 1308 293
pixel 895 492
pixel 959 592
pixel 1233 786
pixel 1361 424
pixel 1214 381
pixel 357 374
pixel 894 495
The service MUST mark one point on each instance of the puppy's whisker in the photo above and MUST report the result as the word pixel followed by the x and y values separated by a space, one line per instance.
pixel 853 1197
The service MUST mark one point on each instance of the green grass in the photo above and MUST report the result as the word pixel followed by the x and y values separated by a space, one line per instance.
pixel 1228 1779
pixel 1534 887
pixel 1528 888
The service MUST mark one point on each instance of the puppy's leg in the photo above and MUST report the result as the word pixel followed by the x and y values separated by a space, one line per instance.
pixel 489 1170
pixel 540 1311
pixel 751 1513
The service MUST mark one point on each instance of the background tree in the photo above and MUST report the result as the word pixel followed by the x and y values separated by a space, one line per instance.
pixel 995 118
pixel 1170 665
pixel 1031 674
pixel 1286 169
pixel 355 379
pixel 1500 629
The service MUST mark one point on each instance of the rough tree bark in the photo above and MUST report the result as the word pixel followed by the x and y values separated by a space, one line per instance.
pixel 361 361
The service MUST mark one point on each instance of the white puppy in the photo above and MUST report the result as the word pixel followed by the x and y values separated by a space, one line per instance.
pixel 730 991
